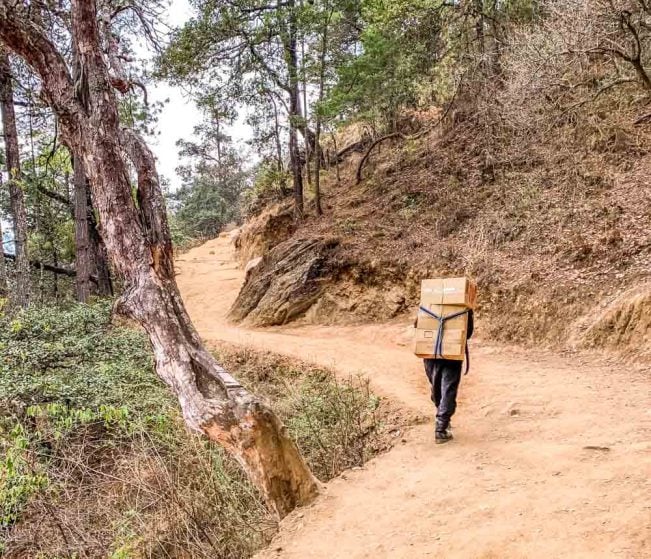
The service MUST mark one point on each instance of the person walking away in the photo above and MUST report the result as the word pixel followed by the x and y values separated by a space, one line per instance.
pixel 445 375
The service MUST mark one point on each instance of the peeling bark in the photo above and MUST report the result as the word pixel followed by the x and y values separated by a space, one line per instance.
pixel 138 241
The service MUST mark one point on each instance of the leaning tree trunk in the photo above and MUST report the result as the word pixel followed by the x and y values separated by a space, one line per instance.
pixel 138 241
pixel 21 291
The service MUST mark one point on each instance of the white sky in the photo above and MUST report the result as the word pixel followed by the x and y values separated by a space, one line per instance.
pixel 180 115
pixel 177 120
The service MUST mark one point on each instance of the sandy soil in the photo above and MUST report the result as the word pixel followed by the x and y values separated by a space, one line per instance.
pixel 551 457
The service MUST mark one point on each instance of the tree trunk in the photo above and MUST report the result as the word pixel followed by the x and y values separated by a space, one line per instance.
pixel 83 256
pixel 304 113
pixel 137 239
pixel 3 265
pixel 91 258
pixel 99 257
pixel 334 146
pixel 279 149
pixel 22 289
pixel 294 109
pixel 317 143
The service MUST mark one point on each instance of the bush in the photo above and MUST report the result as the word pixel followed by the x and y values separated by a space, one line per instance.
pixel 95 460
pixel 336 424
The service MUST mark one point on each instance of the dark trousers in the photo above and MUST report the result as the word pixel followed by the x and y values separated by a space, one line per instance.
pixel 444 375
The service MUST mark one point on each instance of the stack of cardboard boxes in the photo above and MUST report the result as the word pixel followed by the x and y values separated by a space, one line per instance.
pixel 444 297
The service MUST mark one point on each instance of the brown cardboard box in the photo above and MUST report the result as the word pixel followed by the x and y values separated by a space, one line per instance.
pixel 444 297
pixel 448 291
pixel 454 344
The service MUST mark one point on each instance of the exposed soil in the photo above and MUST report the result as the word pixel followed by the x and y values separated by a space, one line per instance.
pixel 552 455
pixel 553 237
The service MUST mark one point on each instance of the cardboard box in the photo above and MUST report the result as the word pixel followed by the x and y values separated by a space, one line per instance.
pixel 448 291
pixel 444 297
pixel 453 346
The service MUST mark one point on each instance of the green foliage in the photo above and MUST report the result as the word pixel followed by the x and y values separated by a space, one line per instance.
pixel 88 432
pixel 18 478
pixel 80 407
pixel 270 184
pixel 209 200
pixel 336 424
pixel 74 355
pixel 61 370
pixel 400 45
pixel 333 423
pixel 214 179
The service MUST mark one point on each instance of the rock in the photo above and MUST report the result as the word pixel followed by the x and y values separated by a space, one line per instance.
pixel 265 231
pixel 251 264
pixel 395 301
pixel 286 282
pixel 234 235
pixel 624 323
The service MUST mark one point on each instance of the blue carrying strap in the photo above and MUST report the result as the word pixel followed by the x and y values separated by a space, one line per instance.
pixel 438 344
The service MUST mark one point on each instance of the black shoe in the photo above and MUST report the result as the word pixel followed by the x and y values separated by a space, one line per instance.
pixel 443 436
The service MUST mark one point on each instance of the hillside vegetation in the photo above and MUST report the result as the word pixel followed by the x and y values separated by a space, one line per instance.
pixel 560 248
pixel 95 460
pixel 533 181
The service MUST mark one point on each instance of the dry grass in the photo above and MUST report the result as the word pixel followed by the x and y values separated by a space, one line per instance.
pixel 538 190
pixel 124 486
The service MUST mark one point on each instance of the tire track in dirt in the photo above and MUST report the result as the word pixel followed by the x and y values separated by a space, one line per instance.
pixel 552 456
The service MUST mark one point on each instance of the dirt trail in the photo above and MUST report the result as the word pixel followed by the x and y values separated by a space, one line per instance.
pixel 552 456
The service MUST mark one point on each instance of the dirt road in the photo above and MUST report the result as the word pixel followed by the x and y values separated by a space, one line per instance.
pixel 552 456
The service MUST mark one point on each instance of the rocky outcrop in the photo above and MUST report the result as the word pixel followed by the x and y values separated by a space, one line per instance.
pixel 251 265
pixel 286 283
pixel 265 231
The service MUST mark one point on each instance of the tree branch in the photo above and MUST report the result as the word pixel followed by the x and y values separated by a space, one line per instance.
pixel 28 40
pixel 54 196
pixel 426 130
pixel 48 267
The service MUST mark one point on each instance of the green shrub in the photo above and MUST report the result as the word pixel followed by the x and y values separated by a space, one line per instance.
pixel 96 461
pixel 75 356
pixel 336 424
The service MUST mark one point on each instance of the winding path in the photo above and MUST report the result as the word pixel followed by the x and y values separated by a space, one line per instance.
pixel 552 456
